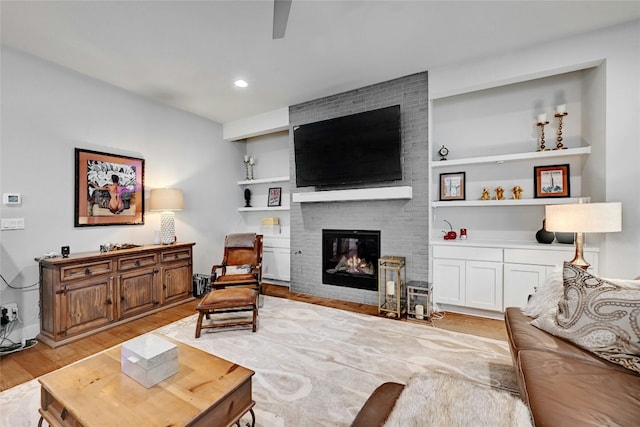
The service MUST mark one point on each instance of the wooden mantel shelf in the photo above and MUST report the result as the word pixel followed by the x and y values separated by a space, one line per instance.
pixel 378 193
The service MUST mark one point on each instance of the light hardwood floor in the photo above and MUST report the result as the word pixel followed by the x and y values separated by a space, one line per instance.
pixel 26 365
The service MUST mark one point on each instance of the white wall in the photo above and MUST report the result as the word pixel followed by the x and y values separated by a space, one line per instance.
pixel 47 111
pixel 619 48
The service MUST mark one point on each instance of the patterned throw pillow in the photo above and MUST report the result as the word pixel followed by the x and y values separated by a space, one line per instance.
pixel 597 315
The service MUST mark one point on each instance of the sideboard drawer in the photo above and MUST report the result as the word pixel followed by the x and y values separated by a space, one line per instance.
pixel 176 255
pixel 467 253
pixel 137 261
pixel 76 271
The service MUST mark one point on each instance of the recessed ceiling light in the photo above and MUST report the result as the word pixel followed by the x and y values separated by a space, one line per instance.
pixel 241 83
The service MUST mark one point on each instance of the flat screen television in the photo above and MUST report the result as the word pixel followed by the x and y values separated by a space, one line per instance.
pixel 358 148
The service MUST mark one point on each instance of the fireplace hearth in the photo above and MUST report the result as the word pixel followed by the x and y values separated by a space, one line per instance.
pixel 350 258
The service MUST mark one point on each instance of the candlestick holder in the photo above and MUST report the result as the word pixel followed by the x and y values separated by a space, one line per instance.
pixel 559 145
pixel 542 146
pixel 246 169
pixel 252 162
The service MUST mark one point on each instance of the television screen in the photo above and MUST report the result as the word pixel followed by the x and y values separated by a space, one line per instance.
pixel 358 148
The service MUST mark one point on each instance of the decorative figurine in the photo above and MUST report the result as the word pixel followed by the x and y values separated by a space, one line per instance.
pixel 449 235
pixel 443 151
pixel 247 198
pixel 485 194
pixel 517 192
pixel 500 193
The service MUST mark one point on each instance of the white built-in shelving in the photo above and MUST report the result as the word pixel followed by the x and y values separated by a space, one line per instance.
pixel 257 182
pixel 263 180
pixel 503 158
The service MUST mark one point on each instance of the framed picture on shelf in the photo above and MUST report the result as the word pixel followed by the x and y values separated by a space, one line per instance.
pixel 109 189
pixel 275 194
pixel 551 181
pixel 452 186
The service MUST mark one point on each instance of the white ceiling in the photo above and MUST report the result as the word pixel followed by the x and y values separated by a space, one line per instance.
pixel 188 53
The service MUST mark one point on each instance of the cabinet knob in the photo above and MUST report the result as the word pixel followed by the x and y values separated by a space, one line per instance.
pixel 87 272
pixel 138 263
pixel 109 302
pixel 176 256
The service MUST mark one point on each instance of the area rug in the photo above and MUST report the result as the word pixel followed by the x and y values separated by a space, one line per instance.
pixel 316 366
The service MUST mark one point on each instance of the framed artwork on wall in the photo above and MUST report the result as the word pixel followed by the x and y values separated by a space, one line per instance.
pixel 275 194
pixel 551 181
pixel 109 189
pixel 452 186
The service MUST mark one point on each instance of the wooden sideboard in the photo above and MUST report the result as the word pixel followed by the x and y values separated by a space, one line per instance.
pixel 93 291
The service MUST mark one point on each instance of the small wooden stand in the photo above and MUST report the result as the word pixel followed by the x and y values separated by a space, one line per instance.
pixel 391 286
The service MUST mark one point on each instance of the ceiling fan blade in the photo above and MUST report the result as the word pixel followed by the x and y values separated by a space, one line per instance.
pixel 280 16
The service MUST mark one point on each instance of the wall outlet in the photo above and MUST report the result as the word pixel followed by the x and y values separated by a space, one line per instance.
pixel 12 311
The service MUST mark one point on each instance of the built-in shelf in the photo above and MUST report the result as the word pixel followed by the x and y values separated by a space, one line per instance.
pixel 378 193
pixel 264 180
pixel 502 158
pixel 275 208
pixel 510 202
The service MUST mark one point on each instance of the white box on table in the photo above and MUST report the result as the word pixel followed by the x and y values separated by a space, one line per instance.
pixel 149 359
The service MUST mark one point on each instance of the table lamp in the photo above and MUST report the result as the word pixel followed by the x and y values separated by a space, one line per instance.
pixel 167 200
pixel 583 218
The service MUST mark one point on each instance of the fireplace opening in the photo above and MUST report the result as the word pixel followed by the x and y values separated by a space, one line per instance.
pixel 350 258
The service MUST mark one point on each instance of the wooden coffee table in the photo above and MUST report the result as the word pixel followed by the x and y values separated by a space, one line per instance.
pixel 207 390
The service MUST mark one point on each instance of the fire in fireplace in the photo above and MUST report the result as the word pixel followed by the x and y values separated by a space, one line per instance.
pixel 350 258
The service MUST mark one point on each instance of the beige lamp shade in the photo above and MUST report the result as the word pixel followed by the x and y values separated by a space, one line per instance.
pixel 166 199
pixel 584 218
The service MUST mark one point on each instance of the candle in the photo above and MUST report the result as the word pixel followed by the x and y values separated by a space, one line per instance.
pixel 252 161
pixel 419 312
pixel 246 158
pixel 391 287
pixel 542 118
pixel 561 109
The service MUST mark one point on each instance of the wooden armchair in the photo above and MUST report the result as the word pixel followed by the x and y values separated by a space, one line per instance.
pixel 241 263
pixel 235 284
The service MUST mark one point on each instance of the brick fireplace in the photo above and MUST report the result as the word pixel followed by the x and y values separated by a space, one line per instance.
pixel 403 224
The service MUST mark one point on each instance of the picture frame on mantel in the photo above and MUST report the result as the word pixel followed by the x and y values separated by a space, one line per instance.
pixel 551 181
pixel 275 197
pixel 109 189
pixel 452 186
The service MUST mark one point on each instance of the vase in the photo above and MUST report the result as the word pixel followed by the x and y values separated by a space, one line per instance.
pixel 565 237
pixel 544 236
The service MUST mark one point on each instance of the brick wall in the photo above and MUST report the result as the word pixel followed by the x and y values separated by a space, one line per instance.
pixel 403 223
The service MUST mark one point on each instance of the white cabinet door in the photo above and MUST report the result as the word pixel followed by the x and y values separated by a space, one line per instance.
pixel 484 285
pixel 283 261
pixel 276 264
pixel 449 281
pixel 520 281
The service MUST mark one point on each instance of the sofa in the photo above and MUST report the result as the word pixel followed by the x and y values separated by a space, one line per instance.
pixel 576 350
pixel 565 385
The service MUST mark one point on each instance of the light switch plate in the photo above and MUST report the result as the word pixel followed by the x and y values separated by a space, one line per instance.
pixel 12 224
